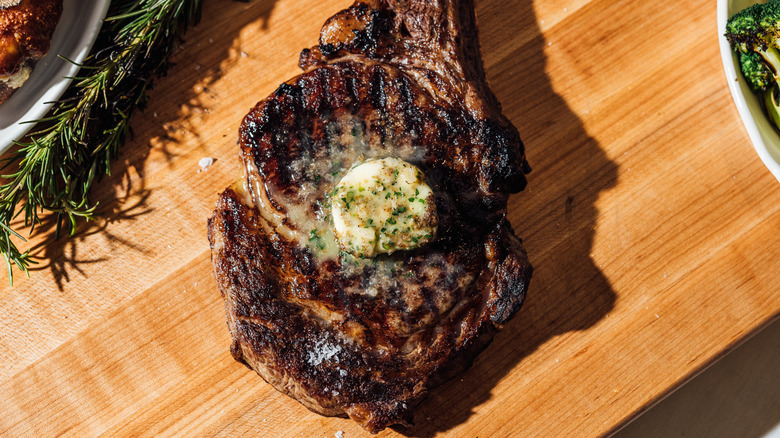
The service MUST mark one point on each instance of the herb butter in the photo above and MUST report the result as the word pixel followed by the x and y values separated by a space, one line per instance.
pixel 381 206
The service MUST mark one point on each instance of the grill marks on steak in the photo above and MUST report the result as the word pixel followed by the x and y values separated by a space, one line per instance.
pixel 343 113
pixel 349 360
pixel 369 337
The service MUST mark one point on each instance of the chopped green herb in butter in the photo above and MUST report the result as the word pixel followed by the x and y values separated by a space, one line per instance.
pixel 380 206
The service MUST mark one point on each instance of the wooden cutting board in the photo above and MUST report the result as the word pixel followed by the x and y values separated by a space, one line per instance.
pixel 653 227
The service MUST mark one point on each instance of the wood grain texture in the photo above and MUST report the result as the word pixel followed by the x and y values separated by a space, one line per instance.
pixel 652 225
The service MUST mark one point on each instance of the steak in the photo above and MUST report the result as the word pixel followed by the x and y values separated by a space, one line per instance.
pixel 342 333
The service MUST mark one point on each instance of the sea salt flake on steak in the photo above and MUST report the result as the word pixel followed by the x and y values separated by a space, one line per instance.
pixel 367 335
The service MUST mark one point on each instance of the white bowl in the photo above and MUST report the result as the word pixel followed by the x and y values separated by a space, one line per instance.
pixel 764 136
pixel 74 36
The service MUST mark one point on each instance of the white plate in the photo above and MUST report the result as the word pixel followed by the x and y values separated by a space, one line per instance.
pixel 74 36
pixel 765 138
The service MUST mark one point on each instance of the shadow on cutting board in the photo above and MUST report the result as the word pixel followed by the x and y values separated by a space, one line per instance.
pixel 556 216
pixel 123 196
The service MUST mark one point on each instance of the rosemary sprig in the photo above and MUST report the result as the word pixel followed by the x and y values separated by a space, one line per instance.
pixel 54 168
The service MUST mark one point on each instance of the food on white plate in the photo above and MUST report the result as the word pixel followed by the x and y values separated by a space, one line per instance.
pixel 365 256
pixel 26 28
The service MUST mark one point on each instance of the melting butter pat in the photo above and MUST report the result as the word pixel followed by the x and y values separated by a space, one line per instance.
pixel 381 206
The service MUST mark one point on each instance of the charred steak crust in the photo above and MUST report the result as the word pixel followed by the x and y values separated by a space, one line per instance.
pixel 369 338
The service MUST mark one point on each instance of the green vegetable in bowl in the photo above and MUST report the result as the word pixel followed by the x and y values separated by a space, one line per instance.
pixel 753 34
pixel 755 71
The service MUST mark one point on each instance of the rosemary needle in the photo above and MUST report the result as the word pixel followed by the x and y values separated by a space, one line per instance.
pixel 53 169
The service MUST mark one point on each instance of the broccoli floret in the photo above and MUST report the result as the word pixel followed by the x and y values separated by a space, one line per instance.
pixel 756 29
pixel 753 33
pixel 743 29
pixel 769 22
pixel 755 71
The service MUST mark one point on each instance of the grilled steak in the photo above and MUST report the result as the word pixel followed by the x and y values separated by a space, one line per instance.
pixel 340 331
